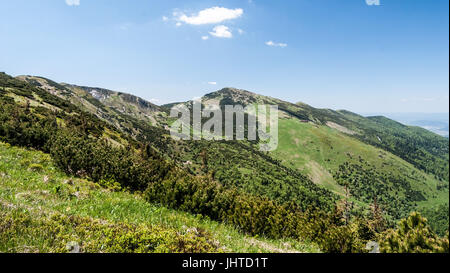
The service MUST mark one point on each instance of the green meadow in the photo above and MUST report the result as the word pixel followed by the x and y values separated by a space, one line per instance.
pixel 43 210
pixel 319 150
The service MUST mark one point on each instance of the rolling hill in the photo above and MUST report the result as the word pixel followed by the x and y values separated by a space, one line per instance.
pixel 408 165
pixel 404 167
pixel 330 170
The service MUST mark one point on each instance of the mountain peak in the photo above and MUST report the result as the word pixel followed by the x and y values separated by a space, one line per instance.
pixel 231 95
pixel 232 91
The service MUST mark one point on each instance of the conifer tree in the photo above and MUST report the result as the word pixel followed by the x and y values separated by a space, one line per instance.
pixel 413 235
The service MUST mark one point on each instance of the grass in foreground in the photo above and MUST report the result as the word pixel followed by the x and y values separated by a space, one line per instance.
pixel 43 210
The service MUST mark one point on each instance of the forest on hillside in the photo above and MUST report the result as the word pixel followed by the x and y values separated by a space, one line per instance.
pixel 82 145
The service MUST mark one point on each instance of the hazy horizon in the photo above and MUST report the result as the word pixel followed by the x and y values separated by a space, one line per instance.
pixel 434 122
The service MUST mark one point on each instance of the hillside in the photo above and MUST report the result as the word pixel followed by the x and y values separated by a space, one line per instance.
pixel 226 160
pixel 333 149
pixel 35 196
pixel 82 145
pixel 329 182
pixel 128 113
pixel 336 149
pixel 424 149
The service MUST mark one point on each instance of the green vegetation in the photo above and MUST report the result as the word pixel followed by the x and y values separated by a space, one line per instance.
pixel 102 163
pixel 337 149
pixel 438 218
pixel 425 150
pixel 413 236
pixel 45 211
pixel 78 147
pixel 22 231
pixel 240 165
pixel 256 215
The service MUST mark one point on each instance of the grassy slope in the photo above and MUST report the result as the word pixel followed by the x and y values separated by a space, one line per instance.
pixel 41 193
pixel 122 104
pixel 327 148
pixel 424 149
pixel 318 168
pixel 123 111
pixel 319 150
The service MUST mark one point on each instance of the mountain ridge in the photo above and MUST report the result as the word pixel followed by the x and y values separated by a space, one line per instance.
pixel 366 129
pixel 226 91
pixel 369 130
pixel 315 166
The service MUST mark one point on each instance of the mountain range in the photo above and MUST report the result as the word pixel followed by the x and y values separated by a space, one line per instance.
pixel 435 122
pixel 326 159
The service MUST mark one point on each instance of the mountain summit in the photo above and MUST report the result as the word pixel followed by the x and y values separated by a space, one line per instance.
pixel 323 155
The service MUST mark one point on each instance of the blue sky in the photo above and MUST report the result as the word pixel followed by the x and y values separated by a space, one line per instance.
pixel 339 54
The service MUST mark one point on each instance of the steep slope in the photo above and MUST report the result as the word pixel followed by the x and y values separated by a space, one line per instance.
pixel 130 114
pixel 337 160
pixel 81 145
pixel 374 158
pixel 124 103
pixel 229 181
pixel 225 161
pixel 424 149
pixel 84 146
pixel 44 210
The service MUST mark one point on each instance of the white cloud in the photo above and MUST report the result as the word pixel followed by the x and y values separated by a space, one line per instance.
pixel 373 2
pixel 212 15
pixel 212 83
pixel 165 18
pixel 178 24
pixel 205 38
pixel 221 32
pixel 271 43
pixel 240 31
pixel 73 2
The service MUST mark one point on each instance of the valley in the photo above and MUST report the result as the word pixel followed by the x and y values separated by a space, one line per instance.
pixel 336 181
